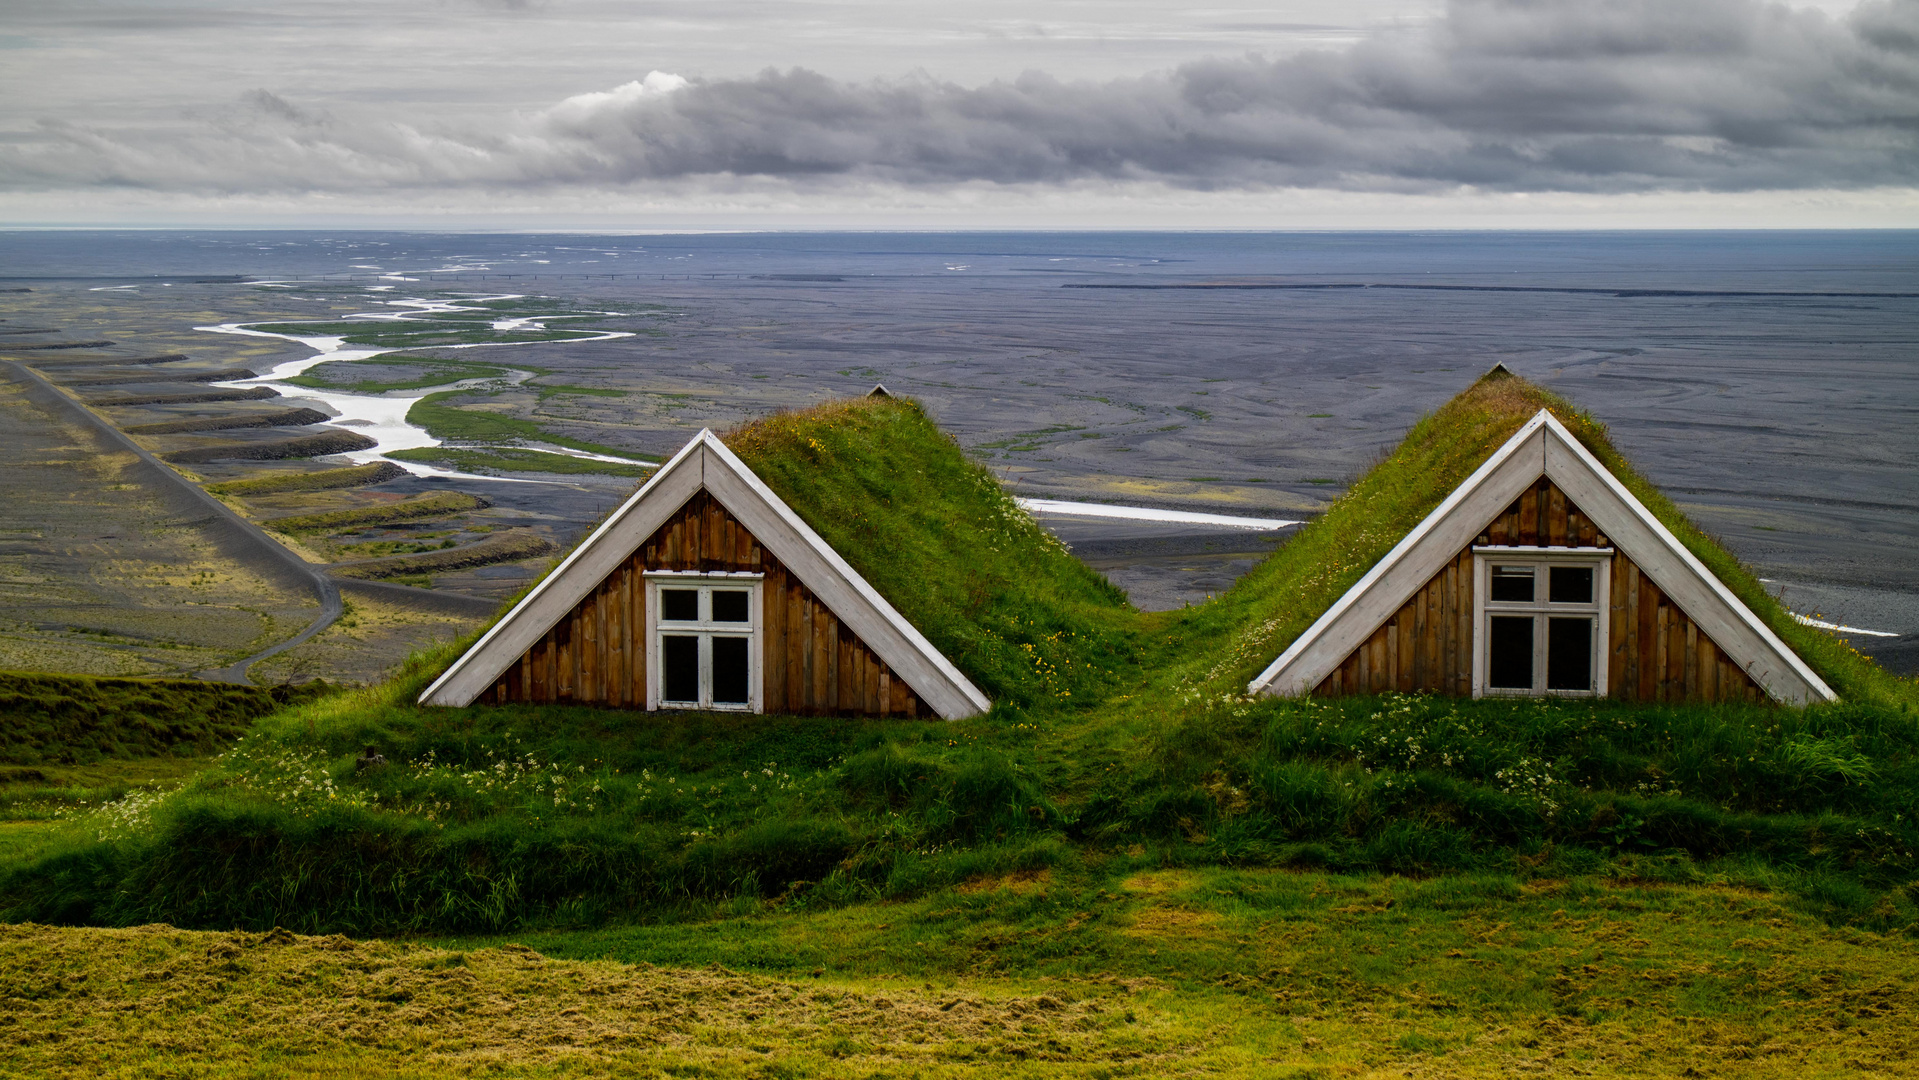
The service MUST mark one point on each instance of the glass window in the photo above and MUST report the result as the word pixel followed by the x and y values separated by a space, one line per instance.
pixel 706 643
pixel 679 605
pixel 1539 618
pixel 729 605
pixel 680 669
pixel 1571 585
pixel 1569 654
pixel 1513 584
pixel 1509 652
pixel 730 675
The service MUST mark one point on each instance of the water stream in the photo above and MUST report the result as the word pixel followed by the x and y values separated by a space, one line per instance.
pixel 382 417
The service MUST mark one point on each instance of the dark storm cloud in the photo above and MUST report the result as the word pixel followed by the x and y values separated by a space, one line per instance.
pixel 1504 95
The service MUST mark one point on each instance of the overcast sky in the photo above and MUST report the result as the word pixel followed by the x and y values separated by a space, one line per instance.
pixel 910 113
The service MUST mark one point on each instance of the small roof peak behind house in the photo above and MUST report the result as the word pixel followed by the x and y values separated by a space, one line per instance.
pixel 879 391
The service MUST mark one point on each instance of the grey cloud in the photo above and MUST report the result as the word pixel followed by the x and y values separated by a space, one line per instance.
pixel 1503 95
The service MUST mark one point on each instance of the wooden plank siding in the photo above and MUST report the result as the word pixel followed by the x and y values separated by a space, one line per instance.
pixel 810 663
pixel 1656 653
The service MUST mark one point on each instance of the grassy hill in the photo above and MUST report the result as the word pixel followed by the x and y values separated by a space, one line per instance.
pixel 1126 867
pixel 1114 730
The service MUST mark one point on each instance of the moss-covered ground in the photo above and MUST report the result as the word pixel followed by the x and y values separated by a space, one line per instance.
pixel 1266 887
pixel 1114 968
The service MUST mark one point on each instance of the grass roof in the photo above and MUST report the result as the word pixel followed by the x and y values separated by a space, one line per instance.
pixel 940 538
pixel 1229 640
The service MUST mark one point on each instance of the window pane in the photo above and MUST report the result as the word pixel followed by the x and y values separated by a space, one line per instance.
pixel 1509 652
pixel 1571 585
pixel 680 605
pixel 1569 653
pixel 729 670
pixel 729 606
pixel 680 668
pixel 1513 584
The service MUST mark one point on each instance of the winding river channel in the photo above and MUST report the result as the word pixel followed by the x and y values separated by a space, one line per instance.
pixel 383 417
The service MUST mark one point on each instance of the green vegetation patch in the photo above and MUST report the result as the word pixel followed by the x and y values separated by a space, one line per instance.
pixel 444 420
pixel 279 1002
pixel 1117 737
pixel 69 719
pixel 1129 970
pixel 423 506
pixel 515 459
pixel 325 480
pixel 940 538
pixel 435 373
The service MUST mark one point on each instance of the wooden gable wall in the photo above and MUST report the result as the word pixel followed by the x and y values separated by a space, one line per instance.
pixel 1656 652
pixel 811 663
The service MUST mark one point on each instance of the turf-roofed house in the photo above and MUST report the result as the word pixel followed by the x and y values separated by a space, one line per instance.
pixel 1543 575
pixel 706 591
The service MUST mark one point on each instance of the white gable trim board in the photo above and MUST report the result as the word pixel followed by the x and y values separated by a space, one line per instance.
pixel 1543 447
pixel 706 464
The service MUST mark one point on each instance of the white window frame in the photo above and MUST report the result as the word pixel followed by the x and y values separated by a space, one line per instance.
pixel 1599 559
pixel 706 629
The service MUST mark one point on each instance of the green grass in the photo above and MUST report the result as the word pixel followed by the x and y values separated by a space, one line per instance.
pixel 1124 966
pixel 437 373
pixel 78 719
pixel 880 482
pixel 35 798
pixel 376 549
pixel 1114 732
pixel 443 420
pixel 1127 868
pixel 515 459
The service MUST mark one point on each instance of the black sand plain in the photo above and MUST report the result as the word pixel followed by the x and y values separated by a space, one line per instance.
pixel 1771 390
